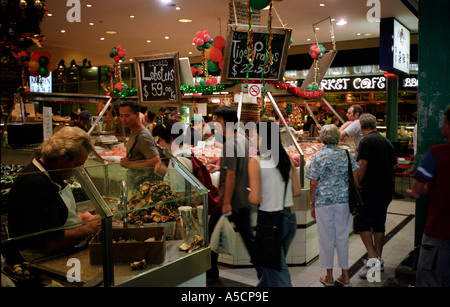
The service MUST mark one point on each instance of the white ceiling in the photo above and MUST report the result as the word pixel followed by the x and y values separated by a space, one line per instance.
pixel 154 20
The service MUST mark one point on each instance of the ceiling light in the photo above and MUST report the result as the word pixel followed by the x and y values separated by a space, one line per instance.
pixel 368 34
pixel 102 38
pixel 184 20
pixel 131 60
pixel 166 37
pixel 91 23
pixel 317 28
pixel 167 2
pixel 111 32
pixel 341 22
pixel 149 41
pixel 359 34
pixel 132 16
pixel 322 4
pixel 49 14
pixel 88 5
pixel 178 8
pixel 63 31
pixel 308 39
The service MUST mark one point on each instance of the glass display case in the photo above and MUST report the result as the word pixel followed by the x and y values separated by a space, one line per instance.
pixel 152 232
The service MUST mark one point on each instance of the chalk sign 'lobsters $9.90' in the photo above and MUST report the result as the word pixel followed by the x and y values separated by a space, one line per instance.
pixel 158 79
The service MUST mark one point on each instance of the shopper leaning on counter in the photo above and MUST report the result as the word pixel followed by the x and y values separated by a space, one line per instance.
pixel 40 200
pixel 142 151
pixel 352 126
pixel 273 183
pixel 329 194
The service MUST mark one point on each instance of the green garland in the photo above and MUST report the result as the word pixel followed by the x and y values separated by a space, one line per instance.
pixel 207 89
pixel 126 93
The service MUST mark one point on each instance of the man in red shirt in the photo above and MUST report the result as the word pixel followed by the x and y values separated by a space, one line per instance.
pixel 432 177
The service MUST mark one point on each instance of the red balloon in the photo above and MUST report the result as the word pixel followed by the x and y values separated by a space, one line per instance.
pixel 221 64
pixel 205 32
pixel 194 40
pixel 206 37
pixel 200 42
pixel 35 55
pixel 116 58
pixel 120 53
pixel 208 82
pixel 214 80
pixel 219 42
pixel 216 54
pixel 313 47
pixel 199 34
pixel 33 72
pixel 318 50
pixel 313 55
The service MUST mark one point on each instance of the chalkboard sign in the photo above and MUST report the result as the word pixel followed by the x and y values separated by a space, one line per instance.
pixel 235 62
pixel 158 79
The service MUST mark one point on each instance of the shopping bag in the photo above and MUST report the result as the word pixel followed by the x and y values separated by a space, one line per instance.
pixel 223 237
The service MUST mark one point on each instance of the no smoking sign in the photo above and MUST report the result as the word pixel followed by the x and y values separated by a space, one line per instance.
pixel 254 90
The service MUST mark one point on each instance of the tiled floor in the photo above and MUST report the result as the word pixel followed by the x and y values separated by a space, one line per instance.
pixel 400 242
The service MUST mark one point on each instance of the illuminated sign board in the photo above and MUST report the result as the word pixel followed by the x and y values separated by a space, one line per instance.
pixel 394 46
pixel 365 83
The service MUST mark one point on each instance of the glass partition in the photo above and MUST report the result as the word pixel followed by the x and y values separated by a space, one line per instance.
pixel 107 225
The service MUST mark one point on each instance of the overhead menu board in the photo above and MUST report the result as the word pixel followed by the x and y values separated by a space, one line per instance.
pixel 236 65
pixel 158 79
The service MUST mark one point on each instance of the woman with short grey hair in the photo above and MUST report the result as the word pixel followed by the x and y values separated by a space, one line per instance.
pixel 329 134
pixel 328 174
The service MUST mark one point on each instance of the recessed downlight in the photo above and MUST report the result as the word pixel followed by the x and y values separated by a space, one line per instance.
pixel 111 32
pixel 184 20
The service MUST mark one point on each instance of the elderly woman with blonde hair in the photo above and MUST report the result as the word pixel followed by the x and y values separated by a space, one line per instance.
pixel 328 174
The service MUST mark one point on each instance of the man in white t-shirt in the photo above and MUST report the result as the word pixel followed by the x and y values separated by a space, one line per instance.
pixel 352 127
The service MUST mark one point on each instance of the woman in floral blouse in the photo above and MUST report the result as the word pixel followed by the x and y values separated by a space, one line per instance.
pixel 328 174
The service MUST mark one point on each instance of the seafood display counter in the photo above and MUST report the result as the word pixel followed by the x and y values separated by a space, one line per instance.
pixel 152 232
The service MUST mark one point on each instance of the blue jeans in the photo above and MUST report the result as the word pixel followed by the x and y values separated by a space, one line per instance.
pixel 281 278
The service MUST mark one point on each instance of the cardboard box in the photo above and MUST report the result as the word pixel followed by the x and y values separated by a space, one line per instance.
pixel 128 252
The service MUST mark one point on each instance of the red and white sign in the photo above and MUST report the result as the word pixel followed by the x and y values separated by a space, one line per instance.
pixel 254 90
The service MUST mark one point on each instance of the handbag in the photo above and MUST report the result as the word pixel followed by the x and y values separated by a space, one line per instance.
pixel 355 201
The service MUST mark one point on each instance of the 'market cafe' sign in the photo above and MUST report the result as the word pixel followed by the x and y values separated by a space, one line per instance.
pixel 364 84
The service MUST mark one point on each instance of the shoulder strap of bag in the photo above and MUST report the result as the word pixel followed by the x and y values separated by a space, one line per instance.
pixel 350 172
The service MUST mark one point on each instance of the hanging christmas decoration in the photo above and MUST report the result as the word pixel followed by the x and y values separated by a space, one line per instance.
pixel 207 89
pixel 118 53
pixel 19 25
pixel 204 42
pixel 116 85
